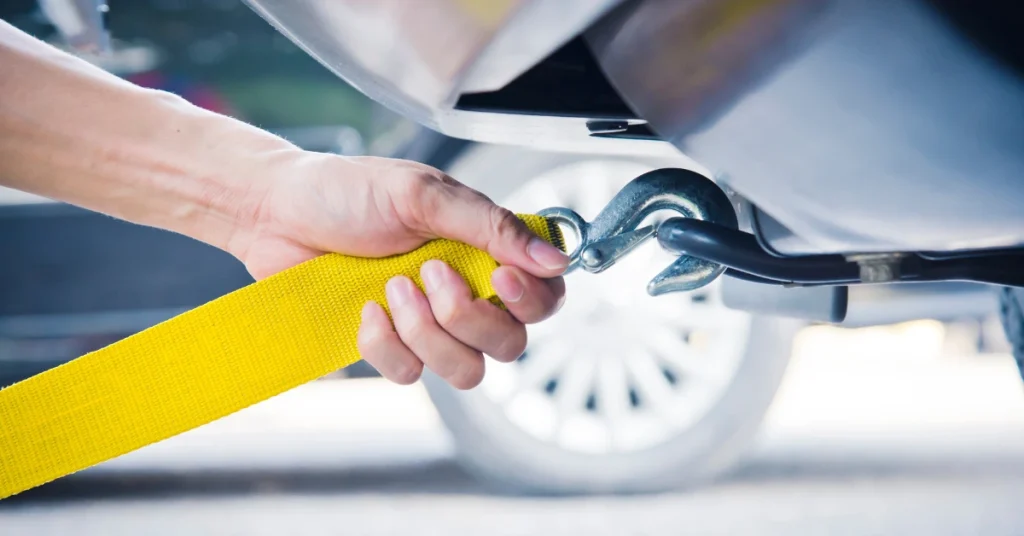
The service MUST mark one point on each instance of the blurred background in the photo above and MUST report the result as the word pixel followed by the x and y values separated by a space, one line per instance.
pixel 626 415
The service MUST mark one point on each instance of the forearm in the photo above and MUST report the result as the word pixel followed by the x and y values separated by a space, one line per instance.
pixel 73 132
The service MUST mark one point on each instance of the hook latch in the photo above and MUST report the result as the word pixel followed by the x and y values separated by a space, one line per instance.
pixel 614 233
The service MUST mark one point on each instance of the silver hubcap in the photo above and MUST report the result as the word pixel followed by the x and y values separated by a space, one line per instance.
pixel 615 370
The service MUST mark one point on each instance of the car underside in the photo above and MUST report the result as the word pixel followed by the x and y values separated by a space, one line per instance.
pixel 864 142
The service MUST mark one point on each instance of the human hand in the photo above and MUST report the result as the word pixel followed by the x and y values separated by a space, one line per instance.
pixel 152 158
pixel 373 207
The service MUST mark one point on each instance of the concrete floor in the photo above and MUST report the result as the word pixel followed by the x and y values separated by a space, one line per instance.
pixel 875 431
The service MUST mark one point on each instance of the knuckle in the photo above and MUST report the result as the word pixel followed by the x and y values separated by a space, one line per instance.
pixel 412 164
pixel 512 346
pixel 541 305
pixel 369 337
pixel 414 189
pixel 503 222
pixel 467 375
pixel 414 183
pixel 372 351
pixel 445 179
pixel 414 327
pixel 407 373
pixel 428 195
pixel 366 341
pixel 448 313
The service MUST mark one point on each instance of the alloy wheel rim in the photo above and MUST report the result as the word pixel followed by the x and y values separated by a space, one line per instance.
pixel 616 370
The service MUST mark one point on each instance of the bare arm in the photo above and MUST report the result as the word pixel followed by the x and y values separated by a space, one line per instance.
pixel 72 132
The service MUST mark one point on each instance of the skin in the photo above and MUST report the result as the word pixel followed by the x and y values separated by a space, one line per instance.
pixel 73 132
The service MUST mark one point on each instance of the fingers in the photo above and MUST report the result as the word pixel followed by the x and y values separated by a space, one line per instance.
pixel 449 209
pixel 447 329
pixel 458 364
pixel 381 347
pixel 476 322
pixel 528 298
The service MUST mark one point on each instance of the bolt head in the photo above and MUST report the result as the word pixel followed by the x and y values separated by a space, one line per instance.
pixel 592 257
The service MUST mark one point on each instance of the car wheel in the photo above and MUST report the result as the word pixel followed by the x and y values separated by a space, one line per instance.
pixel 619 392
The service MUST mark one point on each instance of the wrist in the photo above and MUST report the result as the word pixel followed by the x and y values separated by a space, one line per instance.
pixel 222 187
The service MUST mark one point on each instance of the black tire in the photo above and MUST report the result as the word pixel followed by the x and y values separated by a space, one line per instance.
pixel 1011 313
pixel 500 453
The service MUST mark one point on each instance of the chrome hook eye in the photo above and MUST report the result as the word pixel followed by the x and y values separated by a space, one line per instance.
pixel 579 227
pixel 614 232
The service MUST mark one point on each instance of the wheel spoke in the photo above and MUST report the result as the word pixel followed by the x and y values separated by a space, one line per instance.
pixel 574 385
pixel 652 385
pixel 542 363
pixel 674 352
pixel 612 388
pixel 696 371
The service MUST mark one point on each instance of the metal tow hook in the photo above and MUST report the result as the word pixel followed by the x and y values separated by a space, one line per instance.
pixel 614 232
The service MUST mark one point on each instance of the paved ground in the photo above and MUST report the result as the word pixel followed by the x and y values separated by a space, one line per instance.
pixel 871 434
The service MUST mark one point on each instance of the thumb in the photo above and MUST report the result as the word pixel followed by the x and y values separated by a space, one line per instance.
pixel 460 213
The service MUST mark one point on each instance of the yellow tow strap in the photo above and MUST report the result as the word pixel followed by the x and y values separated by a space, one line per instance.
pixel 228 354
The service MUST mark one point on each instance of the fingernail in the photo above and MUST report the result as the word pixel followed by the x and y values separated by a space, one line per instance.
pixel 547 255
pixel 398 291
pixel 510 289
pixel 432 273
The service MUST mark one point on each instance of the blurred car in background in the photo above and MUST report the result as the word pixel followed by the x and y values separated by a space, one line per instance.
pixel 617 393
